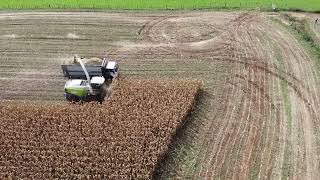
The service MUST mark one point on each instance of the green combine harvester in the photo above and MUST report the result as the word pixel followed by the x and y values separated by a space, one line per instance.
pixel 88 82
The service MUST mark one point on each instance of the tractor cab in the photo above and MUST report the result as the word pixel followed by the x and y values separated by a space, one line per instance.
pixel 96 82
pixel 110 69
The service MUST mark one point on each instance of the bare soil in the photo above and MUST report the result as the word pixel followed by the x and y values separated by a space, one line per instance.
pixel 256 116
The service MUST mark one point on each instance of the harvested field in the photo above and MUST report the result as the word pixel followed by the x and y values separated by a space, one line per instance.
pixel 122 139
pixel 257 115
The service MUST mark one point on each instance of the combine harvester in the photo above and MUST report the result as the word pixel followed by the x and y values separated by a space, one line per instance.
pixel 88 82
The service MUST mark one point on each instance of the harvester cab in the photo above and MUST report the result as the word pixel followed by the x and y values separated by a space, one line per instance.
pixel 88 82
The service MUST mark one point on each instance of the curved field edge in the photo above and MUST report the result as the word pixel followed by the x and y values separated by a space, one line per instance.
pixel 123 138
pixel 308 5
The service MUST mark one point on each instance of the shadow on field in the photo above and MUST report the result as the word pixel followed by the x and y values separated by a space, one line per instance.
pixel 182 143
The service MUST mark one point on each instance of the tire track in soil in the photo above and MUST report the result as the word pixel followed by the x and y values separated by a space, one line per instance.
pixel 201 166
pixel 253 41
pixel 255 102
pixel 208 139
pixel 270 113
pixel 246 112
pixel 222 136
pixel 146 29
pixel 306 103
pixel 201 47
pixel 238 131
pixel 304 99
pixel 310 114
pixel 219 143
pixel 245 115
pixel 201 174
pixel 219 168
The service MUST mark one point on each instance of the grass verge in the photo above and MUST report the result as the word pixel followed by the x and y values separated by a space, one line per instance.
pixel 306 5
pixel 301 28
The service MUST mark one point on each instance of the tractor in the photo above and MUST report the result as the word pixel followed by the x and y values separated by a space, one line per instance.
pixel 88 83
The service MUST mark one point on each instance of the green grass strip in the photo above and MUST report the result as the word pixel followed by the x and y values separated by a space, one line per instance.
pixel 306 5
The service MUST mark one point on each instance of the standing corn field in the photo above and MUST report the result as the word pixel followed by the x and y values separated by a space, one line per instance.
pixel 122 139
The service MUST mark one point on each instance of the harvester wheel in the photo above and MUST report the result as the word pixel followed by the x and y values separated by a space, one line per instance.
pixel 73 98
pixel 101 96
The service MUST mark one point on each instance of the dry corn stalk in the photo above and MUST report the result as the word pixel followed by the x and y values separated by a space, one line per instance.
pixel 124 138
